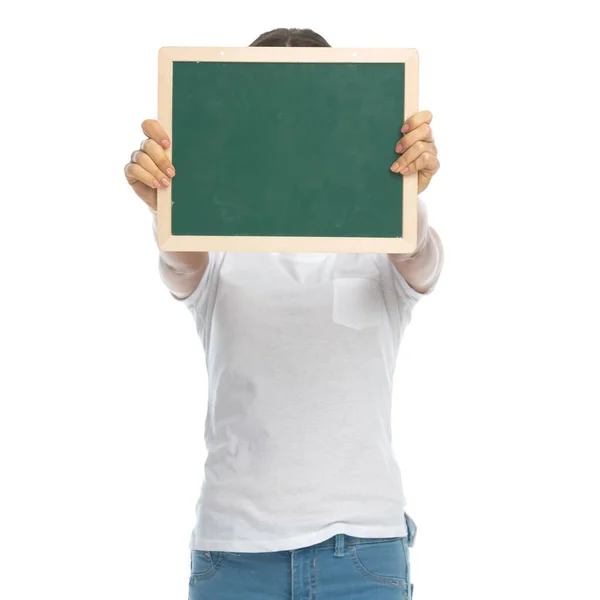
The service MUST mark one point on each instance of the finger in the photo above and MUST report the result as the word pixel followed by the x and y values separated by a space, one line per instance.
pixel 135 173
pixel 422 132
pixel 154 131
pixel 158 156
pixel 425 162
pixel 417 120
pixel 412 154
pixel 142 159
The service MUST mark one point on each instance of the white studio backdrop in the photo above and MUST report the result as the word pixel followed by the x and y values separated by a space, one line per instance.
pixel 103 391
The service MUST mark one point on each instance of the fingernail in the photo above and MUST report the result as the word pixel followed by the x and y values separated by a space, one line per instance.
pixel 404 171
pixel 395 167
pixel 165 182
pixel 405 128
pixel 155 184
pixel 398 147
pixel 170 173
pixel 166 143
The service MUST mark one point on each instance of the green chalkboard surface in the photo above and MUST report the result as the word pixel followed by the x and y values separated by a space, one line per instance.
pixel 286 149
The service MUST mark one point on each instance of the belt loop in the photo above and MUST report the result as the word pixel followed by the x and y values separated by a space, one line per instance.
pixel 339 545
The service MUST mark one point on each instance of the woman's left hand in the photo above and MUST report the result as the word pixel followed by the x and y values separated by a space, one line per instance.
pixel 419 154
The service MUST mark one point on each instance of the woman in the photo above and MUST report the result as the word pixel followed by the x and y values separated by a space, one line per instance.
pixel 302 496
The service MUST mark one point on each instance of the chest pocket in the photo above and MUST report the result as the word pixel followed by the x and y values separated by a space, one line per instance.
pixel 357 302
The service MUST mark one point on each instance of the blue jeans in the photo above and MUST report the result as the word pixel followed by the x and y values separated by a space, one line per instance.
pixel 340 568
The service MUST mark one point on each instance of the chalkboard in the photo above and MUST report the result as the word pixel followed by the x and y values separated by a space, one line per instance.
pixel 286 149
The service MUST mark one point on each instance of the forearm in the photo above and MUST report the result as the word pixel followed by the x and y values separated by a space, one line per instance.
pixel 185 263
pixel 422 268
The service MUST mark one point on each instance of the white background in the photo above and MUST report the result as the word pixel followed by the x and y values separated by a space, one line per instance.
pixel 103 387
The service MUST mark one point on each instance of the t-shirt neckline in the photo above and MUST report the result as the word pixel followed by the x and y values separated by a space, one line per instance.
pixel 302 256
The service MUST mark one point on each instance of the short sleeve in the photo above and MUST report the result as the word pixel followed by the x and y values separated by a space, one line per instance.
pixel 404 290
pixel 197 302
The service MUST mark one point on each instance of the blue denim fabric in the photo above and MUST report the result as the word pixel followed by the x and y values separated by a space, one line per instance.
pixel 341 568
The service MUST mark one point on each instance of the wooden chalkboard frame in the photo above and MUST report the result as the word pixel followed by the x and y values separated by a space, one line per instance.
pixel 168 242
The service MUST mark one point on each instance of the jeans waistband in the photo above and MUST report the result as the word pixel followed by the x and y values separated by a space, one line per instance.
pixel 341 540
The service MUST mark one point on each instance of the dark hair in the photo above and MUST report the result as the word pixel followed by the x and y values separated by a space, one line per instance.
pixel 290 37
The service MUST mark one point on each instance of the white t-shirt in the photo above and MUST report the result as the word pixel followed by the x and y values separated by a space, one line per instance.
pixel 300 351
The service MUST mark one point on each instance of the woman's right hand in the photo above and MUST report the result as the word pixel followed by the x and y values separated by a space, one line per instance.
pixel 150 167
